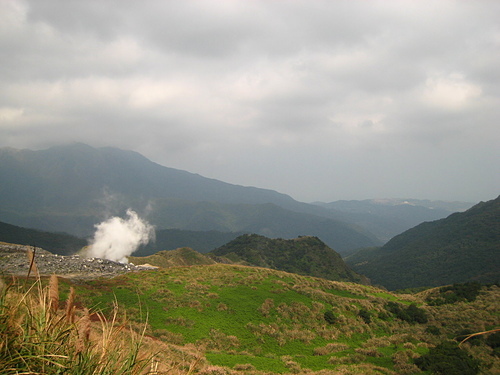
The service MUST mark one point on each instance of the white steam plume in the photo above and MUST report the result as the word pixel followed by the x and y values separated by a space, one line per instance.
pixel 117 238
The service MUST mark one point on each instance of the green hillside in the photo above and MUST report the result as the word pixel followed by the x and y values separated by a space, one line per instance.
pixel 304 256
pixel 462 247
pixel 242 320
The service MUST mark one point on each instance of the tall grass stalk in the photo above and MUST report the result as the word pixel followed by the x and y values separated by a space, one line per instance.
pixel 36 337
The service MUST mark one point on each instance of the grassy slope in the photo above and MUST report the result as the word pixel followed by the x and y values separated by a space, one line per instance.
pixel 245 317
pixel 184 256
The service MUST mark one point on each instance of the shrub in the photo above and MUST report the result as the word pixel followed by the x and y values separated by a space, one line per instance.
pixel 456 293
pixel 244 367
pixel 410 314
pixel 330 317
pixel 365 315
pixel 330 348
pixel 448 359
pixel 433 330
pixel 416 314
pixel 493 341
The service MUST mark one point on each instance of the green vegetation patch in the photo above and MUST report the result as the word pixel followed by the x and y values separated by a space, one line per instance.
pixel 260 319
pixel 465 292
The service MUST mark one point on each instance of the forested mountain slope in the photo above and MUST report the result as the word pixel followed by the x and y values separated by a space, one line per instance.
pixel 462 247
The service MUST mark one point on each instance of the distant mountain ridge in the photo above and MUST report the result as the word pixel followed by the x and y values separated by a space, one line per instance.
pixel 86 171
pixel 56 243
pixel 463 247
pixel 389 217
pixel 71 188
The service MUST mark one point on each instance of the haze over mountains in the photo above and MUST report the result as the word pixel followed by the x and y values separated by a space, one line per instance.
pixel 389 217
pixel 71 188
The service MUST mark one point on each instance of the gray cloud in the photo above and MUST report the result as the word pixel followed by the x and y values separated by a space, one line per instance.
pixel 321 100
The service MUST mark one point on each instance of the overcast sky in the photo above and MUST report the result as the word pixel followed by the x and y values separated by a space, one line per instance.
pixel 321 100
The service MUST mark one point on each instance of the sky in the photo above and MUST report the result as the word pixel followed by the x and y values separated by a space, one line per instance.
pixel 320 100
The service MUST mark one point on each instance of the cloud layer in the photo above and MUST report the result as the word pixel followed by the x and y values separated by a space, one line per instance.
pixel 322 100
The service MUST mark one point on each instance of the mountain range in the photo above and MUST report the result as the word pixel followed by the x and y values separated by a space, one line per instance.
pixel 71 188
pixel 464 247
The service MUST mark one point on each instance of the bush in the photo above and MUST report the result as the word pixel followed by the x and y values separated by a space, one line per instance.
pixel 433 330
pixel 493 341
pixel 365 315
pixel 416 315
pixel 448 359
pixel 410 314
pixel 456 293
pixel 330 317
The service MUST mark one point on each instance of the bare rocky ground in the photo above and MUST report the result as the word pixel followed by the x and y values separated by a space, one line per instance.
pixel 14 260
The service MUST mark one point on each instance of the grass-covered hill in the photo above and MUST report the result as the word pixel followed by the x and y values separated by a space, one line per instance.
pixel 304 255
pixel 183 256
pixel 229 319
pixel 58 243
pixel 463 247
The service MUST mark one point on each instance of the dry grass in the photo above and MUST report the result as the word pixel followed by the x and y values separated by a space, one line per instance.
pixel 333 347
pixel 37 337
pixel 266 307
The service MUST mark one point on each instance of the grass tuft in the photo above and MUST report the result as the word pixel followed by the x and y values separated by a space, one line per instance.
pixel 36 337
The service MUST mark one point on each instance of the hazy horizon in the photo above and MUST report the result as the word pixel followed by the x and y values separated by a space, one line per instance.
pixel 320 100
